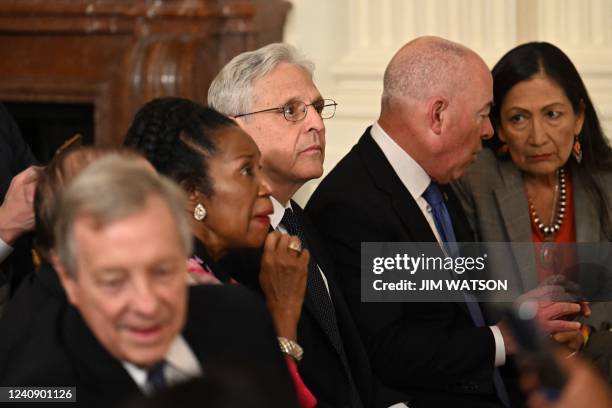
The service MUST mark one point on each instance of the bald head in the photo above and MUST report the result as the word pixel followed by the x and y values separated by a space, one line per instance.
pixel 426 67
pixel 436 101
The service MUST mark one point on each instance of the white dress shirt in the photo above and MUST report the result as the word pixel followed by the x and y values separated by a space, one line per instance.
pixel 416 181
pixel 5 250
pixel 181 365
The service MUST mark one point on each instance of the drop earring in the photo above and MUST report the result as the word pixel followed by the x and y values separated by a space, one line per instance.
pixel 199 212
pixel 577 149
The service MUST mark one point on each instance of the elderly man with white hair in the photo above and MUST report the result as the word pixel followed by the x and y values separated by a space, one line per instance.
pixel 270 93
pixel 129 324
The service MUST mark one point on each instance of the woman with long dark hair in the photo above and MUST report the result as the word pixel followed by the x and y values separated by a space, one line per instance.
pixel 545 179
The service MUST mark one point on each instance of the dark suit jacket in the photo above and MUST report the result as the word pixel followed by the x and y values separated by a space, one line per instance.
pixel 15 156
pixel 321 368
pixel 412 346
pixel 227 328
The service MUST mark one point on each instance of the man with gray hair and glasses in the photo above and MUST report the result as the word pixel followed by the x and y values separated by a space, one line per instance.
pixel 131 324
pixel 271 95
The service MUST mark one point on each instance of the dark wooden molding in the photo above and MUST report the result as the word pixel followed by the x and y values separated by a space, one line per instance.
pixel 117 54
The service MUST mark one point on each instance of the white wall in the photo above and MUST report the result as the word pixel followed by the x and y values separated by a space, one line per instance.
pixel 351 42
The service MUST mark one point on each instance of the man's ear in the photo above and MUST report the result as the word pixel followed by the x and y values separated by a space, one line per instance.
pixel 67 281
pixel 436 109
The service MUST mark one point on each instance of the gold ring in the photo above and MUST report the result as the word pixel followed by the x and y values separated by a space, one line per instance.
pixel 295 245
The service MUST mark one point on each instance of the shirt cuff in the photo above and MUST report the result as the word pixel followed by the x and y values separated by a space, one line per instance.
pixel 5 250
pixel 500 347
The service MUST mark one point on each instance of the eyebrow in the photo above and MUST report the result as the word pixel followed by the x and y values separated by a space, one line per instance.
pixel 244 156
pixel 296 98
pixel 548 105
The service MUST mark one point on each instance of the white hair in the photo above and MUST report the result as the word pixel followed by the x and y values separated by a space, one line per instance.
pixel 109 189
pixel 231 92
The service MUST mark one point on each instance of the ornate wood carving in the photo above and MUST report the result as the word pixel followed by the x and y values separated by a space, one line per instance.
pixel 117 54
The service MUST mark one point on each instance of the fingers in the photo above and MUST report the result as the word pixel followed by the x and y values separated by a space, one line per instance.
pixel 556 310
pixel 586 309
pixel 271 241
pixel 572 339
pixel 30 174
pixel 555 326
pixel 294 245
pixel 280 246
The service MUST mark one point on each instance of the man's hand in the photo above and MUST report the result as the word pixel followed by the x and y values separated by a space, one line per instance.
pixel 283 275
pixel 559 303
pixel 17 210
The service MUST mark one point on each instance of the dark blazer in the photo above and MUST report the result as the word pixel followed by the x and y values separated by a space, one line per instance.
pixel 321 368
pixel 15 156
pixel 413 347
pixel 493 196
pixel 227 328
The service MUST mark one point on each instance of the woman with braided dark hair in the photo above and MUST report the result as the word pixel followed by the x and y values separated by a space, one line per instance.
pixel 218 165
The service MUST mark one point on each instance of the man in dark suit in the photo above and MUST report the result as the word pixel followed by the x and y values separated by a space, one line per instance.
pixel 130 324
pixel 271 95
pixel 17 183
pixel 435 106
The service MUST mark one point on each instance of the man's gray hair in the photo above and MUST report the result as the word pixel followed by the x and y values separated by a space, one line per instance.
pixel 425 67
pixel 109 189
pixel 231 92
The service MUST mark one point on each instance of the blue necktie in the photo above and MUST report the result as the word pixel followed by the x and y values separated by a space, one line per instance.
pixel 156 378
pixel 444 225
pixel 442 218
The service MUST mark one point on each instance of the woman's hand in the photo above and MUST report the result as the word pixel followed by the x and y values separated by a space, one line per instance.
pixel 283 276
pixel 572 341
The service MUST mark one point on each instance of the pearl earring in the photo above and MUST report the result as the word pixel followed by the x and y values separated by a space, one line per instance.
pixel 199 212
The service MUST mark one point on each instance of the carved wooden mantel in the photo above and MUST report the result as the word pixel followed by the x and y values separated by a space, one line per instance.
pixel 117 54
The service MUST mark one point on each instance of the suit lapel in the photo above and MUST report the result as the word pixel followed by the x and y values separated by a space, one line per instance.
pixel 588 228
pixel 404 205
pixel 386 180
pixel 96 370
pixel 311 303
pixel 461 226
pixel 513 208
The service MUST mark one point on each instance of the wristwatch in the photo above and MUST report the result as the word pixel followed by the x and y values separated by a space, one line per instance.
pixel 291 348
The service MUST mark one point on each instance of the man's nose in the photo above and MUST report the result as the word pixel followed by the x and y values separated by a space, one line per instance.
pixel 314 119
pixel 144 300
pixel 487 131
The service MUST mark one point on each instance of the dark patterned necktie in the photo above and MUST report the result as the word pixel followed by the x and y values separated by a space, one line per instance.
pixel 156 378
pixel 318 291
pixel 444 225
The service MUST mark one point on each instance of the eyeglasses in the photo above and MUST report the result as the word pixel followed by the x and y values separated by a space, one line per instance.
pixel 295 111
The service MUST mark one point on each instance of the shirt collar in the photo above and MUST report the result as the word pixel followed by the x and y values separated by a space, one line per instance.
pixel 279 211
pixel 412 175
pixel 180 360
